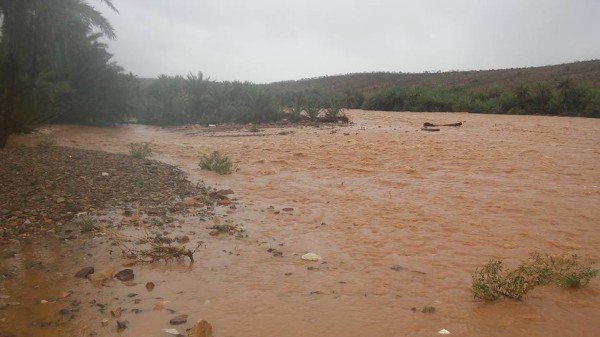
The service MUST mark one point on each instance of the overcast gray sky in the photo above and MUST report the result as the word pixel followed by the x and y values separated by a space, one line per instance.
pixel 272 40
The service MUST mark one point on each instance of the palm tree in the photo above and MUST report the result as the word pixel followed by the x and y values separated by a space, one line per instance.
pixel 35 39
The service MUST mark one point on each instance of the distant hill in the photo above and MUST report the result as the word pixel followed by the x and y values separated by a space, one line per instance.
pixel 585 72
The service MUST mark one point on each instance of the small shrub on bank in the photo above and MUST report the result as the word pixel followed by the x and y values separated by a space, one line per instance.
pixel 85 223
pixel 216 162
pixel 493 281
pixel 140 150
pixel 46 141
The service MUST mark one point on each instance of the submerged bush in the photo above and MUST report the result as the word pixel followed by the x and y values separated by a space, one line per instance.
pixel 493 281
pixel 216 162
pixel 140 150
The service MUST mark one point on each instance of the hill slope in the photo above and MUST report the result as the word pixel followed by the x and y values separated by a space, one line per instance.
pixel 585 72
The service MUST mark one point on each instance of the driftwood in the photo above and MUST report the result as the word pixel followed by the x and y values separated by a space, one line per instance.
pixel 427 124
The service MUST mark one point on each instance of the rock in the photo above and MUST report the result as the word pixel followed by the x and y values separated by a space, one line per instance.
pixel 189 201
pixel 223 202
pixel 84 272
pixel 60 200
pixel 105 174
pixel 183 239
pixel 116 312
pixel 99 278
pixel 150 286
pixel 225 192
pixel 444 332
pixel 172 332
pixel 214 232
pixel 311 257
pixel 428 310
pixel 201 329
pixel 104 322
pixel 64 311
pixel 125 275
pixel 288 209
pixel 121 325
pixel 181 319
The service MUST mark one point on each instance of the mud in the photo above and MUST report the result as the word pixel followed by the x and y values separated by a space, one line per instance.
pixel 400 216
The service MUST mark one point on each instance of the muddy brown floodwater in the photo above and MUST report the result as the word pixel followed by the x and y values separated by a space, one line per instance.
pixel 377 194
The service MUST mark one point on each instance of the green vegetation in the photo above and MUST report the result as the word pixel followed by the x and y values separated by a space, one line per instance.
pixel 46 141
pixel 565 98
pixel 53 67
pixel 85 223
pixel 216 162
pixel 140 150
pixel 493 281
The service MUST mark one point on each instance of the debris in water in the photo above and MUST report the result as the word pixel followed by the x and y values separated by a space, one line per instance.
pixel 428 310
pixel 201 329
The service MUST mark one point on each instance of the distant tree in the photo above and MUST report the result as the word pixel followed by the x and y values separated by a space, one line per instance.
pixel 36 48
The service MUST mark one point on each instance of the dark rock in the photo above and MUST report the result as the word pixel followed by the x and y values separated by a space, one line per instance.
pixel 125 275
pixel 64 311
pixel 181 319
pixel 122 325
pixel 288 209
pixel 84 272
pixel 150 286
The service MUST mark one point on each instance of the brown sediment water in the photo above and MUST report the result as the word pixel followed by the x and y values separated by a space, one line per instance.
pixel 377 194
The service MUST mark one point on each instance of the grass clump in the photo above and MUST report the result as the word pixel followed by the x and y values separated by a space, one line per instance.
pixel 216 162
pixel 46 141
pixel 253 128
pixel 493 281
pixel 85 223
pixel 140 150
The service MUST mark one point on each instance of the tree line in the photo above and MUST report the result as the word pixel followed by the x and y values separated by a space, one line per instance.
pixel 565 97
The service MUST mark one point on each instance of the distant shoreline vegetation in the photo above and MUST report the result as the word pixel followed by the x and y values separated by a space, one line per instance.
pixel 565 98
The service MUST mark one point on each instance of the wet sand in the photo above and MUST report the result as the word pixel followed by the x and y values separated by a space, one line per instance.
pixel 367 197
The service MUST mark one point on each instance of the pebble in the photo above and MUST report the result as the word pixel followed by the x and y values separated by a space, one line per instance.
pixel 125 275
pixel 150 286
pixel 183 239
pixel 121 325
pixel 84 272
pixel 311 257
pixel 181 319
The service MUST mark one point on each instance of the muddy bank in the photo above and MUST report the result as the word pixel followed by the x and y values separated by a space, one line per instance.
pixel 45 186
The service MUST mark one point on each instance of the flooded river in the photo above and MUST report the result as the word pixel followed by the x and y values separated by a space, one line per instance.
pixel 377 194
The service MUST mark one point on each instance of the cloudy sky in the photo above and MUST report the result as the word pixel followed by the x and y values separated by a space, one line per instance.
pixel 272 40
